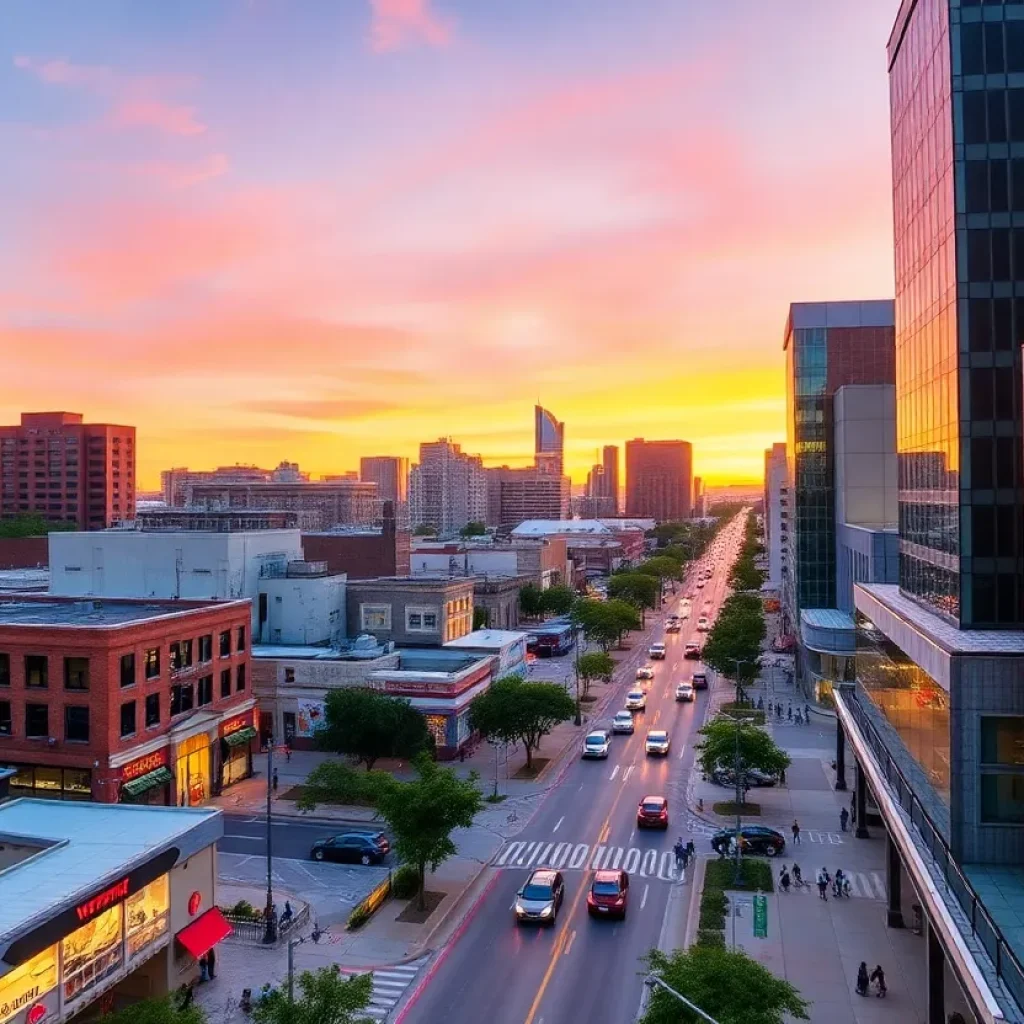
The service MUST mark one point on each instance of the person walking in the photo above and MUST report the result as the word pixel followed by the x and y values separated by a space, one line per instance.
pixel 273 782
pixel 789 712
pixel 796 831
pixel 823 880
pixel 807 713
pixel 211 963
pixel 844 817
pixel 862 979
pixel 784 878
pixel 878 977
pixel 798 878
pixel 691 850
pixel 680 851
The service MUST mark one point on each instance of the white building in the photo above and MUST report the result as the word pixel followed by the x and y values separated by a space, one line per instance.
pixel 447 488
pixel 304 604
pixel 776 513
pixel 507 645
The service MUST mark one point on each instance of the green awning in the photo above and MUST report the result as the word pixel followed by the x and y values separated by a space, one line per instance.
pixel 160 777
pixel 236 739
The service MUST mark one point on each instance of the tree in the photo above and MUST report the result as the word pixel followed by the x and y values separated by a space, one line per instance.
pixel 729 986
pixel 661 567
pixel 367 725
pixel 473 529
pixel 424 531
pixel 331 782
pixel 594 665
pixel 31 524
pixel 637 589
pixel 531 601
pixel 514 710
pixel 163 1010
pixel 557 600
pixel 756 748
pixel 481 617
pixel 604 622
pixel 423 813
pixel 733 646
pixel 325 997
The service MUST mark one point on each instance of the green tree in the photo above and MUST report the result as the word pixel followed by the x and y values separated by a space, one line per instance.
pixel 481 617
pixel 423 813
pixel 637 589
pixel 733 646
pixel 531 601
pixel 331 782
pixel 557 600
pixel 325 996
pixel 605 622
pixel 368 725
pixel 729 986
pixel 422 530
pixel 756 748
pixel 32 525
pixel 514 710
pixel 163 1010
pixel 594 665
pixel 473 529
pixel 661 567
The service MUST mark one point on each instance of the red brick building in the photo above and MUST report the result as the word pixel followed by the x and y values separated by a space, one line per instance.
pixel 64 470
pixel 120 700
pixel 24 552
pixel 363 554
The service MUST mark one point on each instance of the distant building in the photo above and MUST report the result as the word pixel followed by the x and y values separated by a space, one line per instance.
pixel 700 500
pixel 659 479
pixel 515 495
pixel 391 475
pixel 447 488
pixel 542 560
pixel 301 603
pixel 58 467
pixel 548 442
pixel 176 484
pixel 592 546
pixel 776 513
pixel 410 611
pixel 610 478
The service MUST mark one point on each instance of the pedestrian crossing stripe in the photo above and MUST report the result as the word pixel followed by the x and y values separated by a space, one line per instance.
pixel 389 985
pixel 567 856
pixel 869 885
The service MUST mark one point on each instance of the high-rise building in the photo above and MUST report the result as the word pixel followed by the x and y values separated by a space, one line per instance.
pixel 610 462
pixel 391 475
pixel 65 470
pixel 776 514
pixel 447 488
pixel 176 484
pixel 515 495
pixel 659 479
pixel 700 499
pixel 548 442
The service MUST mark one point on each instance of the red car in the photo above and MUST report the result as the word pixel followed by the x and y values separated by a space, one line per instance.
pixel 609 894
pixel 652 813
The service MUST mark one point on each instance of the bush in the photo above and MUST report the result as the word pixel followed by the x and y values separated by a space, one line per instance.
pixel 357 919
pixel 755 874
pixel 244 910
pixel 405 882
pixel 710 938
pixel 713 905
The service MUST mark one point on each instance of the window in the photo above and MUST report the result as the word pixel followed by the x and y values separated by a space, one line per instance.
pixel 206 648
pixel 206 690
pixel 289 675
pixel 152 662
pixel 128 718
pixel 37 670
pixel 181 655
pixel 5 718
pixel 37 720
pixel 240 646
pixel 421 620
pixel 181 699
pixel 76 723
pixel 128 669
pixel 5 669
pixel 1002 740
pixel 225 644
pixel 225 683
pixel 152 710
pixel 1002 763
pixel 240 678
pixel 374 617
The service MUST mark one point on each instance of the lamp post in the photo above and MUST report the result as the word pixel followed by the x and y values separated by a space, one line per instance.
pixel 739 686
pixel 269 919
pixel 578 720
pixel 652 979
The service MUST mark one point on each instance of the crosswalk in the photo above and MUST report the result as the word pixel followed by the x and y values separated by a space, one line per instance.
pixel 389 985
pixel 867 885
pixel 568 856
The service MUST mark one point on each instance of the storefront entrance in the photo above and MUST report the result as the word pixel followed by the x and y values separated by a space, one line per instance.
pixel 192 772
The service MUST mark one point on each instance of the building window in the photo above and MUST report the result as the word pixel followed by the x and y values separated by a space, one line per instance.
pixel 37 670
pixel 127 669
pixel 76 673
pixel 152 662
pixel 5 669
pixel 289 675
pixel 128 719
pixel 152 710
pixel 181 699
pixel 206 690
pixel 181 655
pixel 240 678
pixel 421 620
pixel 37 721
pixel 5 718
pixel 1002 740
pixel 206 648
pixel 1002 769
pixel 225 644
pixel 240 646
pixel 76 723
pixel 225 683
pixel 374 617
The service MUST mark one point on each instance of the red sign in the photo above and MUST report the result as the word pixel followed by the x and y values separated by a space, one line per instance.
pixel 144 765
pixel 90 908
pixel 36 1014
pixel 236 723
pixel 195 901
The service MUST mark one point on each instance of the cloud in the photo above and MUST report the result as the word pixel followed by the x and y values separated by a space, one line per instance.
pixel 342 407
pixel 58 71
pixel 398 23
pixel 165 117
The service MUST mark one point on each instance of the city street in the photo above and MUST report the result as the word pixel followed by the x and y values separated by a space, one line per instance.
pixel 584 969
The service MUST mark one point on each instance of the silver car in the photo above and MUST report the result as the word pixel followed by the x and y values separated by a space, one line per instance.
pixel 596 744
pixel 623 722
pixel 657 742
pixel 538 901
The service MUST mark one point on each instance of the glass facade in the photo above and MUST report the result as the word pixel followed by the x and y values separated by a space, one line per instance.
pixel 957 107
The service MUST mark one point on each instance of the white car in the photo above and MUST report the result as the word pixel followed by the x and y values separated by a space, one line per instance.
pixel 657 742
pixel 656 651
pixel 684 691
pixel 622 722
pixel 597 744
pixel 702 624
pixel 645 672
pixel 700 584
pixel 636 700
pixel 685 614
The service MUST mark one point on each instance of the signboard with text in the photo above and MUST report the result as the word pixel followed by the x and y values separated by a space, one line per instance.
pixel 760 917
pixel 144 765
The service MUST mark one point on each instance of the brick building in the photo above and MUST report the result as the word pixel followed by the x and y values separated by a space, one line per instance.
pixel 119 700
pixel 24 552
pixel 56 466
pixel 362 554
pixel 659 479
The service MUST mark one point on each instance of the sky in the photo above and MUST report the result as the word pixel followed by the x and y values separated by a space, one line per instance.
pixel 262 230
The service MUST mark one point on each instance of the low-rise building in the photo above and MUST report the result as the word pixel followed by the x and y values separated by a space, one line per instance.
pixel 543 560
pixel 303 603
pixel 507 645
pixel 365 552
pixel 593 546
pixel 496 600
pixel 410 611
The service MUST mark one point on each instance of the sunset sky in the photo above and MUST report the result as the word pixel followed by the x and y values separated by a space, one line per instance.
pixel 314 229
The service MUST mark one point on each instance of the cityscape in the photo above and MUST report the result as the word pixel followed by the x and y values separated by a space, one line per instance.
pixel 337 687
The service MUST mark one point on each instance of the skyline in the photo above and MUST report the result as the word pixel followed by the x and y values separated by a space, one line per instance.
pixel 587 200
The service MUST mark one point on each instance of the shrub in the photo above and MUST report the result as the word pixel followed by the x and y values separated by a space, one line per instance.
pixel 713 904
pixel 710 938
pixel 357 918
pixel 243 910
pixel 405 882
pixel 755 874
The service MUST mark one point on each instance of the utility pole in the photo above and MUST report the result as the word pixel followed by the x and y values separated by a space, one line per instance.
pixel 270 921
pixel 579 713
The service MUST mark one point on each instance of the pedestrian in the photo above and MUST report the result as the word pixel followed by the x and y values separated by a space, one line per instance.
pixel 807 713
pixel 853 808
pixel 274 782
pixel 789 712
pixel 680 851
pixel 691 849
pixel 796 831
pixel 782 777
pixel 288 751
pixel 797 876
pixel 878 977
pixel 204 970
pixel 211 963
pixel 784 879
pixel 862 979
pixel 823 880
pixel 844 817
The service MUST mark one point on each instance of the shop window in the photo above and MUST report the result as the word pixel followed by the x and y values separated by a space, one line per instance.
pixel 152 710
pixel 206 648
pixel 5 669
pixel 205 693
pixel 225 644
pixel 5 718
pixel 77 783
pixel 128 669
pixel 240 645
pixel 37 671
pixel 152 662
pixel 181 699
pixel 240 678
pixel 76 723
pixel 146 916
pixel 225 683
pixel 128 718
pixel 37 721
pixel 375 617
pixel 92 953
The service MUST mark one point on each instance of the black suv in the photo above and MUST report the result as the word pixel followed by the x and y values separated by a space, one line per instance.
pixel 751 777
pixel 755 839
pixel 352 848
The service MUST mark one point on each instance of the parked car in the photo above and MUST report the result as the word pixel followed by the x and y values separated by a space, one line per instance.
pixel 597 744
pixel 657 743
pixel 692 650
pixel 656 652
pixel 700 584
pixel 609 894
pixel 645 672
pixel 352 848
pixel 540 898
pixel 754 839
pixel 623 721
pixel 684 691
pixel 724 776
pixel 652 812
pixel 636 700
pixel 700 680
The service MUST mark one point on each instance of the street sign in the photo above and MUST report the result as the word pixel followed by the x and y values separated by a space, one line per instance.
pixel 760 917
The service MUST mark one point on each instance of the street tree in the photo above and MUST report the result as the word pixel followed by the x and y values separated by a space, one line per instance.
pixel 367 725
pixel 604 622
pixel 163 1010
pixel 756 749
pixel 661 567
pixel 332 782
pixel 324 996
pixel 637 589
pixel 422 814
pixel 531 601
pixel 473 529
pixel 729 986
pixel 514 710
pixel 557 600
pixel 594 665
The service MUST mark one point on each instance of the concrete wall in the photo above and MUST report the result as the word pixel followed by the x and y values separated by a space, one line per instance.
pixel 24 552
pixel 864 443
pixel 308 610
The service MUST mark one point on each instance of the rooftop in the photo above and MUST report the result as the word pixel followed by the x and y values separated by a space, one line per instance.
pixel 13 580
pixel 405 582
pixel 868 313
pixel 488 638
pixel 544 527
pixel 105 613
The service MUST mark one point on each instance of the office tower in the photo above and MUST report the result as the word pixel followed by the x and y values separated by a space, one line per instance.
pixel 776 516
pixel 548 442
pixel 65 470
pixel 391 475
pixel 447 488
pixel 517 495
pixel 659 479
pixel 610 462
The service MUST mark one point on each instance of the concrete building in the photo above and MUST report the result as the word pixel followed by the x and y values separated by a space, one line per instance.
pixel 508 647
pixel 543 560
pixel 57 466
pixel 364 552
pixel 592 546
pixel 515 495
pixel 124 700
pixel 391 475
pixel 700 499
pixel 447 488
pixel 610 477
pixel 103 902
pixel 176 484
pixel 548 442
pixel 776 513
pixel 659 479
pixel 304 603
pixel 411 611
pixel 496 600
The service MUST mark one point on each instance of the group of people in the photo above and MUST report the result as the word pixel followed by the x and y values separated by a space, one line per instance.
pixel 684 852
pixel 793 876
pixel 799 717
pixel 864 980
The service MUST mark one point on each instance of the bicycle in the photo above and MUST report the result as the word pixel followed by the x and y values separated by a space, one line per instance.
pixel 512 817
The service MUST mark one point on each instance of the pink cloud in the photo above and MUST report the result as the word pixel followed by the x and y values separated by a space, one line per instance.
pixel 397 23
pixel 58 71
pixel 168 118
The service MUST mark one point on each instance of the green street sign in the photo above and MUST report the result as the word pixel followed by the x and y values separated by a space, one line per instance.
pixel 760 917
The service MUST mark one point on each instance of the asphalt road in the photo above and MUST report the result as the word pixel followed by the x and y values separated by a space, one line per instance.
pixel 292 840
pixel 583 969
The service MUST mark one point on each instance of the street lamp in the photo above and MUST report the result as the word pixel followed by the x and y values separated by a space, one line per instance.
pixel 739 686
pixel 578 720
pixel 269 918
pixel 653 980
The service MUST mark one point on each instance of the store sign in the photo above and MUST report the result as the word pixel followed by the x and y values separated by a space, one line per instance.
pixel 236 723
pixel 195 901
pixel 90 908
pixel 144 765
pixel 27 984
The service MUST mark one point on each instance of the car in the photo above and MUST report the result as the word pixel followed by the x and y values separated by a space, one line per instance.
pixel 691 650
pixel 702 624
pixel 645 672
pixel 685 614
pixel 657 742
pixel 540 898
pixel 673 626
pixel 352 848
pixel 597 744
pixel 636 700
pixel 684 691
pixel 656 651
pixel 623 721
pixel 754 839
pixel 700 584
pixel 725 776
pixel 609 894
pixel 700 680
pixel 652 812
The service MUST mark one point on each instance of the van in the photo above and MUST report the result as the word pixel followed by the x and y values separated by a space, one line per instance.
pixel 700 680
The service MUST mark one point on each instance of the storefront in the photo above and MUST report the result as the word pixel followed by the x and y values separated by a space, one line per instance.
pixel 192 772
pixel 236 736
pixel 148 780
pixel 50 783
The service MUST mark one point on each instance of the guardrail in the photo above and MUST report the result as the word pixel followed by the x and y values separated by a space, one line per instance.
pixel 1008 967
pixel 251 930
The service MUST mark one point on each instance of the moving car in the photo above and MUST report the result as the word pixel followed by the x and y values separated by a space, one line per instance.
pixel 645 672
pixel 652 812
pixel 685 614
pixel 636 700
pixel 684 691
pixel 700 584
pixel 352 848
pixel 597 744
pixel 657 742
pixel 691 650
pixel 700 679
pixel 673 626
pixel 702 624
pixel 656 651
pixel 755 839
pixel 608 894
pixel 623 722
pixel 541 897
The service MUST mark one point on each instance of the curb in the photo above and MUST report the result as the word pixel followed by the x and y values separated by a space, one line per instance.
pixel 693 917
pixel 422 945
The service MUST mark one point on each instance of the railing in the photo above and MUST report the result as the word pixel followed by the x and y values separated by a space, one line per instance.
pixel 1008 967
pixel 251 930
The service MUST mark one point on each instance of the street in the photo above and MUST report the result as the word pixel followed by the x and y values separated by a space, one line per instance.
pixel 584 969
pixel 292 840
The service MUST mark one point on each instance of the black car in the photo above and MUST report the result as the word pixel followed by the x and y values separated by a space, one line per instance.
pixel 752 778
pixel 755 839
pixel 352 848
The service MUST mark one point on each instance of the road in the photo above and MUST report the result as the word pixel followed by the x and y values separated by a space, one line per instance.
pixel 292 840
pixel 582 969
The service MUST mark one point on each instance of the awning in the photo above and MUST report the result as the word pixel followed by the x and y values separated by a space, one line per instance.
pixel 159 777
pixel 204 932
pixel 240 736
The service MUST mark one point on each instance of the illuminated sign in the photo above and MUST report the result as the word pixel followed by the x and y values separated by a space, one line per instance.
pixel 36 1014
pixel 90 908
pixel 195 901
pixel 27 984
pixel 144 765
pixel 234 724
